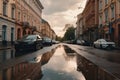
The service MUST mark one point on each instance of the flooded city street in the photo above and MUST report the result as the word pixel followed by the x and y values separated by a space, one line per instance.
pixel 59 39
pixel 61 66
pixel 57 64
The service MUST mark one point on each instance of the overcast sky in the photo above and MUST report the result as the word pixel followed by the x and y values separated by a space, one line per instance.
pixel 61 12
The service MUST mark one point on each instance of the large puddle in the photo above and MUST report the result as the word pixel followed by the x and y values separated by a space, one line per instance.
pixel 59 64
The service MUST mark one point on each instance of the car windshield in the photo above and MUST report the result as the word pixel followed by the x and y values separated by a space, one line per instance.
pixel 47 39
pixel 105 40
pixel 29 37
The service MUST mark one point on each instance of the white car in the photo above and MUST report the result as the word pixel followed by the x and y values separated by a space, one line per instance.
pixel 80 42
pixel 103 43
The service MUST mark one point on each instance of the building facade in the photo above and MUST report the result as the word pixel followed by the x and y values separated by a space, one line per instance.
pixel 90 20
pixel 101 19
pixel 53 35
pixel 7 21
pixel 28 17
pixel 109 20
pixel 47 31
pixel 79 27
pixel 19 18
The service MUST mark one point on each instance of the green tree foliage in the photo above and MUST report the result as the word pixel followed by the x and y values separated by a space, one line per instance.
pixel 58 38
pixel 69 34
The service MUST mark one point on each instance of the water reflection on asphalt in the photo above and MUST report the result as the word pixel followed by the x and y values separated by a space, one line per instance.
pixel 57 64
pixel 61 66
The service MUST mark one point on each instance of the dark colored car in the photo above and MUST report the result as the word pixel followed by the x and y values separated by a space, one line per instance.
pixel 29 42
pixel 87 43
pixel 47 41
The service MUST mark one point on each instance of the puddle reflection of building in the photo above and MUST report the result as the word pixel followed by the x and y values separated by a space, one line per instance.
pixel 29 69
pixel 68 53
pixel 22 71
pixel 46 57
pixel 6 54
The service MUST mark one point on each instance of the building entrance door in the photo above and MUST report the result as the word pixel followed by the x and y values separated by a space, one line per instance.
pixel 12 35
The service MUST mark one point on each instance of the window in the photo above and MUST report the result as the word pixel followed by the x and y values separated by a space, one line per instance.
pixel 106 2
pixel 24 17
pixel 12 34
pixel 106 15
pixel 18 33
pixel 112 11
pixel 4 32
pixel 18 16
pixel 13 12
pixel 100 5
pixel 100 21
pixel 4 9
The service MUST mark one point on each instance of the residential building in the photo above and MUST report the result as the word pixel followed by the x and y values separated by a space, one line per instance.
pixel 79 27
pixel 19 18
pixel 7 21
pixel 46 30
pixel 90 20
pixel 28 17
pixel 53 35
pixel 117 27
pixel 109 20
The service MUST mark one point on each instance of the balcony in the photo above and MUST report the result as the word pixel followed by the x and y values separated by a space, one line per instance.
pixel 25 24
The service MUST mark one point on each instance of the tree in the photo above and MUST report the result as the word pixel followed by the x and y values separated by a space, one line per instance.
pixel 58 38
pixel 69 34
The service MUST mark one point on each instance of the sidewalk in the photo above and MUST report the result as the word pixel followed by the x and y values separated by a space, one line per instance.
pixel 2 47
pixel 104 64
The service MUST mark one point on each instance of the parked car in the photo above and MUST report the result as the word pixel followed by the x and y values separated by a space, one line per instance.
pixel 80 42
pixel 55 42
pixel 87 43
pixel 104 43
pixel 29 42
pixel 47 41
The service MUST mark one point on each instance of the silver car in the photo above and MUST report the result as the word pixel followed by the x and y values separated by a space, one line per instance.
pixel 104 44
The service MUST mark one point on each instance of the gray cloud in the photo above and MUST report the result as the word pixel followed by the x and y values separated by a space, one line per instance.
pixel 53 6
pixel 61 12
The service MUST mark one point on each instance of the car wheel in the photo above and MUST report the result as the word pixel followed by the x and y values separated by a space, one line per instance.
pixel 37 47
pixel 94 46
pixel 41 45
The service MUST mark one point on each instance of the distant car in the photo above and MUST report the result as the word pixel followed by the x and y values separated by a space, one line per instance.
pixel 104 43
pixel 29 42
pixel 87 43
pixel 47 41
pixel 80 42
pixel 54 41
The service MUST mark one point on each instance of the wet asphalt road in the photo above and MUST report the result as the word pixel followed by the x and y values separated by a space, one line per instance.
pixel 50 63
pixel 109 55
